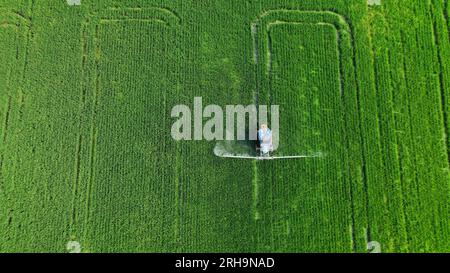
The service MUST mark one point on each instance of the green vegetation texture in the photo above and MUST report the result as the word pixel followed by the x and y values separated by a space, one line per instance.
pixel 86 153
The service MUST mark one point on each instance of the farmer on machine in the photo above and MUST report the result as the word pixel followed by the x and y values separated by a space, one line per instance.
pixel 265 140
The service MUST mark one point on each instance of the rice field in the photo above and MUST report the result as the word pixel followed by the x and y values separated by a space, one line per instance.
pixel 87 156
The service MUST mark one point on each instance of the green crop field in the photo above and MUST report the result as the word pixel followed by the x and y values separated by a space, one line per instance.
pixel 87 156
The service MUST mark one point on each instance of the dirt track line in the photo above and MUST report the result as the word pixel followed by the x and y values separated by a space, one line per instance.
pixel 76 182
pixel 3 141
pixel 341 85
pixel 347 143
pixel 6 120
pixel 446 7
pixel 399 157
pixel 29 39
pixel 269 68
pixel 9 103
pixel 400 141
pixel 2 185
pixel 79 145
pixel 8 106
pixel 26 57
pixel 443 96
pixel 363 166
pixel 93 135
pixel 90 182
pixel 254 33
pixel 397 144
pixel 105 21
pixel 96 95
pixel 169 17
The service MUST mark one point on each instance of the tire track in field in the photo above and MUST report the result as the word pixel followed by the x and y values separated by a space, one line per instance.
pixel 402 119
pixel 169 19
pixel 82 105
pixel 273 223
pixel 400 162
pixel 363 166
pixel 446 7
pixel 438 50
pixel 9 100
pixel 345 138
pixel 254 32
pixel 346 141
pixel 443 96
pixel 341 82
pixel 390 111
pixel 21 21
pixel 93 138
pixel 377 89
pixel 29 39
pixel 255 187
pixel 76 182
pixel 341 85
pixel 93 129
pixel 7 107
pixel 3 142
pixel 6 121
